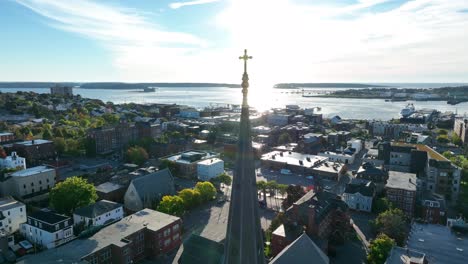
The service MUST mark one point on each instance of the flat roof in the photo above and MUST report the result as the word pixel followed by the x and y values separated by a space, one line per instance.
pixel 74 251
pixel 5 134
pixel 48 217
pixel 293 158
pixel 9 202
pixel 31 171
pixel 108 187
pixel 401 180
pixel 430 151
pixel 439 243
pixel 210 161
pixel 36 142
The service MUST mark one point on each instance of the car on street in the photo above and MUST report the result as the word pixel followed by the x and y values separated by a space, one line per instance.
pixel 285 171
pixel 310 177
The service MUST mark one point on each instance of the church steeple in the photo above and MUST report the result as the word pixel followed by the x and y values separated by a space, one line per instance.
pixel 244 236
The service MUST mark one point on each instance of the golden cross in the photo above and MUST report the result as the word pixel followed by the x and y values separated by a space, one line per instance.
pixel 245 58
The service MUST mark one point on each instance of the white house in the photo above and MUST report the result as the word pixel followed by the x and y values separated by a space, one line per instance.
pixel 47 229
pixel 100 213
pixel 13 162
pixel 209 168
pixel 356 144
pixel 359 194
pixel 12 214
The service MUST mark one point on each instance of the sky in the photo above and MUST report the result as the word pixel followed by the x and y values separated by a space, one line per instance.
pixel 201 40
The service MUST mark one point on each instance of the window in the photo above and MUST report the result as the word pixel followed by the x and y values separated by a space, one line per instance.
pixel 40 182
pixel 40 225
pixel 167 242
pixel 8 212
pixel 106 255
pixel 140 249
pixel 167 232
pixel 65 223
pixel 21 209
pixel 175 227
pixel 24 186
pixel 175 237
pixel 56 236
pixel 94 259
pixel 32 190
pixel 126 251
pixel 57 227
pixel 9 220
pixel 32 183
pixel 47 180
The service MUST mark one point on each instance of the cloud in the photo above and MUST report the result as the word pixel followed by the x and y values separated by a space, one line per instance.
pixel 177 5
pixel 126 33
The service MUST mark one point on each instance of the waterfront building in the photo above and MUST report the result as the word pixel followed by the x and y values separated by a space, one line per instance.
pixel 62 90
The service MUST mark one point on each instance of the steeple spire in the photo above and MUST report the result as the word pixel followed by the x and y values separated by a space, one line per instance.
pixel 244 236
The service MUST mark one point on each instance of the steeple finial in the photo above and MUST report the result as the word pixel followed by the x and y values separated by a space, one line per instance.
pixel 245 77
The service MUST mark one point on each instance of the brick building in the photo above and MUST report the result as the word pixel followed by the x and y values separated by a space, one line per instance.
pixel 6 137
pixel 34 151
pixel 145 234
pixel 460 127
pixel 401 191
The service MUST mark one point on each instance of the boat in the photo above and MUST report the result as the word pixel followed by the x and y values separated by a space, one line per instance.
pixel 149 89
pixel 407 111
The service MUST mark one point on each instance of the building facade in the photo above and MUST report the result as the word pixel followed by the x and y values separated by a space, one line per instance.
pixel 62 90
pixel 6 137
pixel 100 213
pixel 29 183
pixel 401 191
pixel 210 168
pixel 34 151
pixel 13 162
pixel 47 229
pixel 358 195
pixel 12 214
pixel 460 127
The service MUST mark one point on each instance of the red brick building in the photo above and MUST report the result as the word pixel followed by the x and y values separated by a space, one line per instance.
pixel 401 191
pixel 145 234
pixel 34 151
pixel 6 137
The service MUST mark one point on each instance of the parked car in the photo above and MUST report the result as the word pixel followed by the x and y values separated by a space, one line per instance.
pixel 285 171
pixel 310 177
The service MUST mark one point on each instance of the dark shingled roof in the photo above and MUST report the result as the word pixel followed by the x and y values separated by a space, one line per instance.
pixel 364 188
pixel 198 249
pixel 155 185
pixel 96 209
pixel 302 251
pixel 48 217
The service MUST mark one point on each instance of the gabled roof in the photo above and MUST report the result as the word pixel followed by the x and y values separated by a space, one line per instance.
pixel 364 188
pixel 97 209
pixel 154 185
pixel 302 250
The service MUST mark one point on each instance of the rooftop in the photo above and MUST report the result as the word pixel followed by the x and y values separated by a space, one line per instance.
pixel 400 255
pixel 48 217
pixel 74 251
pixel 97 209
pixel 9 202
pixel 430 151
pixel 439 243
pixel 34 142
pixel 301 250
pixel 5 134
pixel 31 171
pixel 210 161
pixel 294 158
pixel 401 180
pixel 108 187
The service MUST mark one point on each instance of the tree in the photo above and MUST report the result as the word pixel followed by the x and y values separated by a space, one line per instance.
pixel 222 178
pixel 72 193
pixel 393 224
pixel 379 249
pixel 284 138
pixel 206 189
pixel 173 205
pixel 171 165
pixel 262 186
pixel 137 155
pixel 442 132
pixel 191 198
pixel 60 145
pixel 47 134
pixel 295 192
pixel 380 205
pixel 456 140
pixel 443 139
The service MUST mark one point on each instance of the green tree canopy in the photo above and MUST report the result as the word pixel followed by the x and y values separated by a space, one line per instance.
pixel 173 205
pixel 206 189
pixel 47 134
pixel 295 192
pixel 171 165
pixel 284 138
pixel 393 224
pixel 191 198
pixel 381 205
pixel 456 140
pixel 60 145
pixel 443 139
pixel 137 155
pixel 222 178
pixel 379 249
pixel 72 193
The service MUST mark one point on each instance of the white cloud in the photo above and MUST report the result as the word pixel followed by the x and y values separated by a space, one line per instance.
pixel 420 40
pixel 177 5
